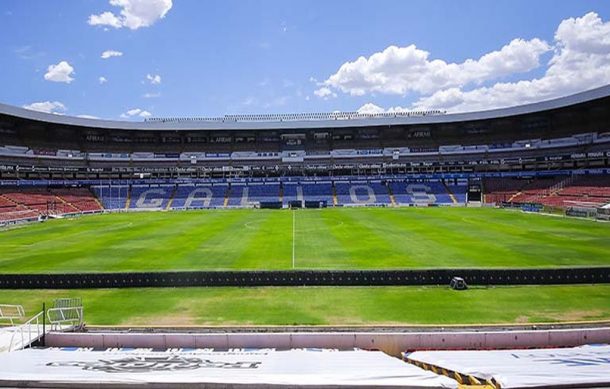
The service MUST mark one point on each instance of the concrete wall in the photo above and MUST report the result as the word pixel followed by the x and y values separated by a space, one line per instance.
pixel 391 343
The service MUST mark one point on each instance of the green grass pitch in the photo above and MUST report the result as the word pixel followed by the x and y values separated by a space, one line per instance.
pixel 329 306
pixel 321 239
pixel 355 238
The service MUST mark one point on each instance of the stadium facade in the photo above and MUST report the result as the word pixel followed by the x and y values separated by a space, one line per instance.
pixel 554 153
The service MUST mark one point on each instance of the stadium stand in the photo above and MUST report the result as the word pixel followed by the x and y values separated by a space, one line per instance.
pixel 362 193
pixel 112 197
pixel 150 196
pixel 498 190
pixel 421 193
pixel 199 196
pixel 318 191
pixel 263 192
pixel 29 203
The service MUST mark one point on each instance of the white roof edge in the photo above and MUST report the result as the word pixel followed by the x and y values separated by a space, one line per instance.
pixel 542 106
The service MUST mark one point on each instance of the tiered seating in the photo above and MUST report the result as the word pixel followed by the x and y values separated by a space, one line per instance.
pixel 535 190
pixel 268 192
pixel 318 192
pixel 362 193
pixel 150 197
pixel 79 199
pixel 459 192
pixel 199 196
pixel 292 192
pixel 419 193
pixel 498 190
pixel 591 191
pixel 238 195
pixel 10 210
pixel 32 198
pixel 112 197
pixel 27 203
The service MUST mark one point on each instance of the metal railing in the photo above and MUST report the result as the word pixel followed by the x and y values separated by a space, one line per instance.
pixel 27 333
pixel 297 116
pixel 11 312
pixel 62 318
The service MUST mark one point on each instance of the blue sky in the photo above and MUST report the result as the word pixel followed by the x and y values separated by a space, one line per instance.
pixel 209 58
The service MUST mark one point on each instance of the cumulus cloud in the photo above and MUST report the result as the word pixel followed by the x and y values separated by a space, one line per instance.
pixel 102 80
pixel 154 79
pixel 134 14
pixel 60 72
pixel 47 107
pixel 324 92
pixel 136 112
pixel 371 109
pixel 399 70
pixel 111 53
pixel 105 19
pixel 581 61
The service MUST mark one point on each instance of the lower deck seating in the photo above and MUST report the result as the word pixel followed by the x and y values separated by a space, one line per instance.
pixel 560 191
pixel 199 196
pixel 31 202
pixel 318 191
pixel 112 197
pixel 150 196
pixel 362 193
pixel 421 193
pixel 498 190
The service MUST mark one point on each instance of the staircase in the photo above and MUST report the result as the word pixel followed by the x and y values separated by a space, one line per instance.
pixel 171 198
pixel 451 195
pixel 391 194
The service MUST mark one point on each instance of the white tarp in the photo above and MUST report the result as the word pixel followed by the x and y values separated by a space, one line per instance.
pixel 307 367
pixel 584 366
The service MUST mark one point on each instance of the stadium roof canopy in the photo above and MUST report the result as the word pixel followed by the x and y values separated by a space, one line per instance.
pixel 234 123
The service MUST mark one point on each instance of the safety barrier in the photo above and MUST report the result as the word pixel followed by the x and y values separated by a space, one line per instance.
pixel 579 275
pixel 11 312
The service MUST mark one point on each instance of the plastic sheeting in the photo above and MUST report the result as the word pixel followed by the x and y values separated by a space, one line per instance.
pixel 261 367
pixel 585 366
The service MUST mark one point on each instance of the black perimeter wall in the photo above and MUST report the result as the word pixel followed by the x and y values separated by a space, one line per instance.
pixel 595 275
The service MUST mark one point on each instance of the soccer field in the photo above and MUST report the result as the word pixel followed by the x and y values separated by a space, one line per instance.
pixel 329 305
pixel 342 238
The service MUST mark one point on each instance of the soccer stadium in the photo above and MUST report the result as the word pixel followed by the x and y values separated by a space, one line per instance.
pixel 418 248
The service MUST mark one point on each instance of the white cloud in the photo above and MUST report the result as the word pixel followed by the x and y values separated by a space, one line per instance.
pixel 136 112
pixel 134 14
pixel 60 72
pixel 111 53
pixel 102 80
pixel 154 79
pixel 151 95
pixel 370 108
pixel 400 70
pixel 87 117
pixel 47 107
pixel 105 19
pixel 581 61
pixel 324 92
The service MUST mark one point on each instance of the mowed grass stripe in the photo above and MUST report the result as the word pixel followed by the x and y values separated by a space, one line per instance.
pixel 317 242
pixel 329 306
pixel 342 238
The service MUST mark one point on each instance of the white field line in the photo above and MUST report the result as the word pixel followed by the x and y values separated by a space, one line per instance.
pixel 293 236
